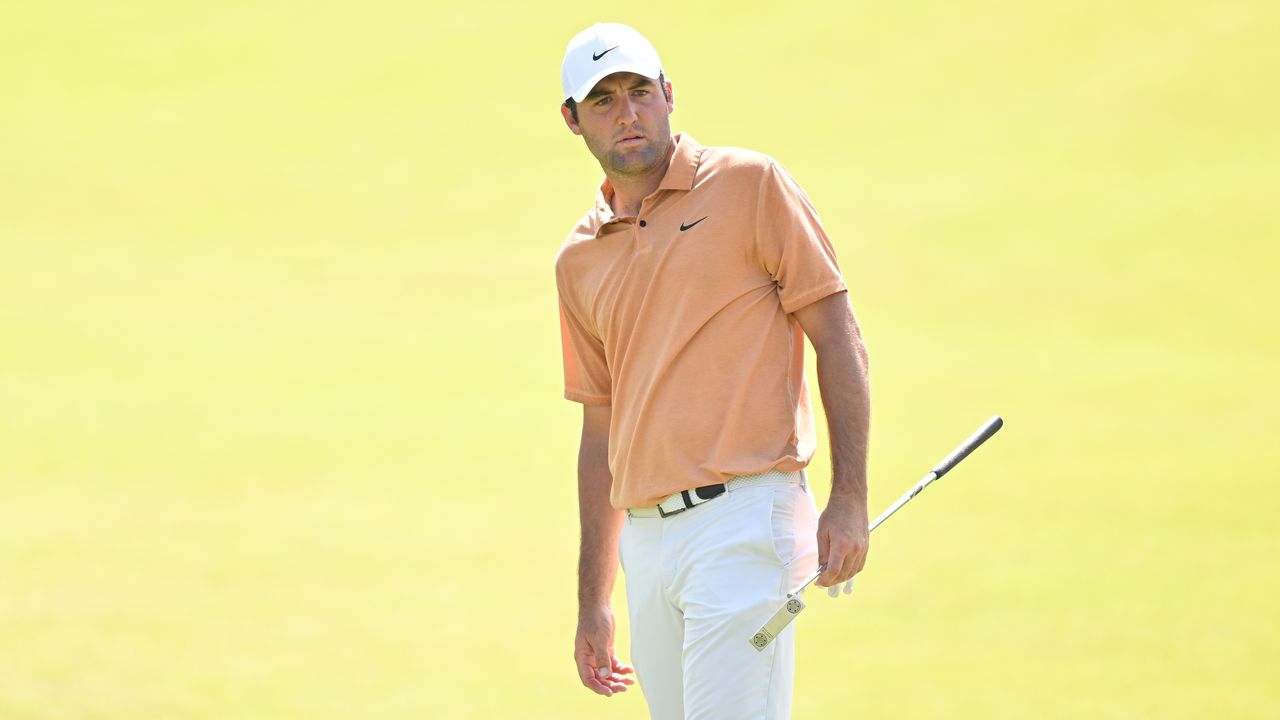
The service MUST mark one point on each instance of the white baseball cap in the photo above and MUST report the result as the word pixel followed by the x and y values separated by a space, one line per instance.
pixel 604 49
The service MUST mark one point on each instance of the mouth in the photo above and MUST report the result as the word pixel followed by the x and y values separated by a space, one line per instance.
pixel 630 140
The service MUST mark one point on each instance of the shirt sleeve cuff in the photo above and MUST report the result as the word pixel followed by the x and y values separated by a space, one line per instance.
pixel 587 398
pixel 792 304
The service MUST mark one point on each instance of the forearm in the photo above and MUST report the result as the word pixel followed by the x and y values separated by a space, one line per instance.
pixel 598 666
pixel 601 524
pixel 846 392
pixel 846 398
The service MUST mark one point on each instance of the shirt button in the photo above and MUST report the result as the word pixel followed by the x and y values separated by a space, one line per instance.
pixel 643 223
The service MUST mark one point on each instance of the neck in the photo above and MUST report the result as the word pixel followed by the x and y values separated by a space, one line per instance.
pixel 629 191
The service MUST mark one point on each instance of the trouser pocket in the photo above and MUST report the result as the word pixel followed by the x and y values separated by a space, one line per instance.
pixel 794 522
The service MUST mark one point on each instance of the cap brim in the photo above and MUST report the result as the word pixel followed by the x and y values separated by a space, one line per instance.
pixel 638 68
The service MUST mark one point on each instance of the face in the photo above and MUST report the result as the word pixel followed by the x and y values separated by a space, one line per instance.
pixel 624 121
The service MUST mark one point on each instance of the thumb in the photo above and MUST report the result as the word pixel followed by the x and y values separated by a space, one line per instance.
pixel 604 662
pixel 594 657
pixel 600 653
pixel 586 654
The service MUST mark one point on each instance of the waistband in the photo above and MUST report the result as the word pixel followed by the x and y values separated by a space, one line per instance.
pixel 677 503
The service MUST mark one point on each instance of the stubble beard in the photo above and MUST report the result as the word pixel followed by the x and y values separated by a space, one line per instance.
pixel 637 162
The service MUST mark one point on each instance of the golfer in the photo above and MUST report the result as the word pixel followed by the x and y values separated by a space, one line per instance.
pixel 685 293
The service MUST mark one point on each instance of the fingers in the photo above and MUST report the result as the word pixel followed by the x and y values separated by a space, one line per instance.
pixel 824 557
pixel 589 660
pixel 844 556
pixel 612 678
pixel 854 559
pixel 587 674
pixel 835 564
pixel 616 678
pixel 604 664
pixel 842 540
pixel 840 568
pixel 616 675
pixel 602 680
pixel 832 549
pixel 599 669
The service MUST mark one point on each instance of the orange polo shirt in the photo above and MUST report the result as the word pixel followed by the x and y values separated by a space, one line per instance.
pixel 680 318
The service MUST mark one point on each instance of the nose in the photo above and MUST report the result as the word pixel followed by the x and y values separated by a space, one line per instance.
pixel 626 110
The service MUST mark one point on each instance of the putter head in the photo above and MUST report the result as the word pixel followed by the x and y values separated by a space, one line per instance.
pixel 780 620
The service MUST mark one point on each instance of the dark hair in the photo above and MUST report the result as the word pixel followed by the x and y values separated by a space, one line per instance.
pixel 573 104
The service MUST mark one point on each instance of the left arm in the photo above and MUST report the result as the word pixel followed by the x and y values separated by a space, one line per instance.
pixel 846 396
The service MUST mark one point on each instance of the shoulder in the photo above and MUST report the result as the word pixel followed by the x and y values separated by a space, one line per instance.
pixel 746 172
pixel 575 246
pixel 736 160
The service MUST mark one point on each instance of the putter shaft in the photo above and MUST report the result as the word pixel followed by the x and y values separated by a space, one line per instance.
pixel 794 604
pixel 915 490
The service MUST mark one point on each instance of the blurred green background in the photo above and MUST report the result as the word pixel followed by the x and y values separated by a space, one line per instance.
pixel 281 433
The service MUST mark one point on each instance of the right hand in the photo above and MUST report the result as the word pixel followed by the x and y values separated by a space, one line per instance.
pixel 598 668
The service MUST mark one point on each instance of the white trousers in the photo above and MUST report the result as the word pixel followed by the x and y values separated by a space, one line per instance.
pixel 701 583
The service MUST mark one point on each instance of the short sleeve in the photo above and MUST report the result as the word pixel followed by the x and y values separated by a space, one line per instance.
pixel 586 371
pixel 791 243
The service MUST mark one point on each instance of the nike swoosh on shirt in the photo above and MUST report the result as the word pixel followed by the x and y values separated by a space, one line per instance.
pixel 684 227
pixel 606 52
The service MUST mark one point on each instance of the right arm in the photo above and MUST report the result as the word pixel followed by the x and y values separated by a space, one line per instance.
pixel 597 560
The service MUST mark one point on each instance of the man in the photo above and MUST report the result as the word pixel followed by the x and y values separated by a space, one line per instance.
pixel 684 294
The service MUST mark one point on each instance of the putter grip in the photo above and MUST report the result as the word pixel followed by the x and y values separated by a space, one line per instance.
pixel 968 446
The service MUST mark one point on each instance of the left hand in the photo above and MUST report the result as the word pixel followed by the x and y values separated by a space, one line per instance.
pixel 842 542
pixel 598 666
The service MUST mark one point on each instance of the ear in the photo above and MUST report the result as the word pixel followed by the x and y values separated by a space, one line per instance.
pixel 671 98
pixel 568 119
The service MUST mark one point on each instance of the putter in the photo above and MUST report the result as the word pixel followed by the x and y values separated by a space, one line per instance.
pixel 788 612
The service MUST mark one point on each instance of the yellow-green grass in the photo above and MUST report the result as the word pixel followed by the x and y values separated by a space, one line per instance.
pixel 280 425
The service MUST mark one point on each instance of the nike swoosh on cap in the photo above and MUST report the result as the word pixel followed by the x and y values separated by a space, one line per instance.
pixel 606 52
pixel 684 227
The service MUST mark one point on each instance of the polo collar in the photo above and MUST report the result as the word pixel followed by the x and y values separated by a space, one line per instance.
pixel 679 176
pixel 684 164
